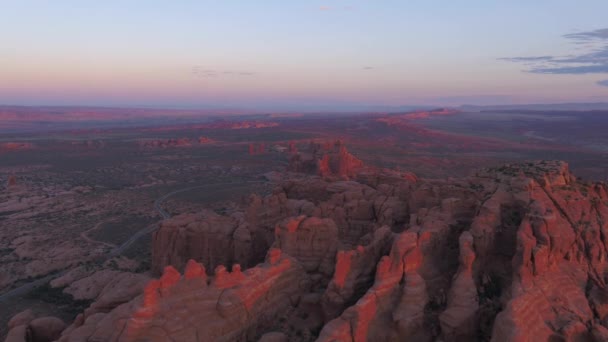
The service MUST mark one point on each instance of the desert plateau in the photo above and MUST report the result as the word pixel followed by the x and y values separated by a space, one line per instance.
pixel 397 226
pixel 304 171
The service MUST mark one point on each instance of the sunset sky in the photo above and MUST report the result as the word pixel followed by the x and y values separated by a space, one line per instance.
pixel 302 54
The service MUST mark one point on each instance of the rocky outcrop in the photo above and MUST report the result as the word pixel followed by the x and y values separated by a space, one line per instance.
pixel 230 306
pixel 46 328
pixel 354 272
pixel 310 240
pixel 90 287
pixel 531 255
pixel 22 318
pixel 24 327
pixel 458 321
pixel 122 288
pixel 516 253
pixel 206 237
pixel 370 317
pixel 328 160
pixel 560 261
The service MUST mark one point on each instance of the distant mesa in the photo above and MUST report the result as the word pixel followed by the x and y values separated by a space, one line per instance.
pixel 427 114
pixel 405 119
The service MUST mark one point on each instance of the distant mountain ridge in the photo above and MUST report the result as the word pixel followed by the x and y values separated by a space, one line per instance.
pixel 539 107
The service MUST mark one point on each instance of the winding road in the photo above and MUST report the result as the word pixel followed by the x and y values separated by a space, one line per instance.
pixel 85 237
pixel 117 250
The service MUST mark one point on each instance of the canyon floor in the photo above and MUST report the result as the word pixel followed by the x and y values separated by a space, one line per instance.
pixel 430 225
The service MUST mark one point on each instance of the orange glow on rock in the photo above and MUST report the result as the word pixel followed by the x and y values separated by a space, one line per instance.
pixel 343 266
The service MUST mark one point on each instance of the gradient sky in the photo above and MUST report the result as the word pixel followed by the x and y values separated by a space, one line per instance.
pixel 302 54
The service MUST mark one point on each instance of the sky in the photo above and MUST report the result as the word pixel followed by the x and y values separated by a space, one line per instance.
pixel 302 55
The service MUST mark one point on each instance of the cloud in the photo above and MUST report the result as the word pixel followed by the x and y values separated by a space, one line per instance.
pixel 527 59
pixel 572 70
pixel 591 56
pixel 590 35
pixel 200 72
pixel 368 68
pixel 603 83
pixel 325 8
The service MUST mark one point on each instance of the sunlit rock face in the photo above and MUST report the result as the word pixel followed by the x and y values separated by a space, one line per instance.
pixel 515 253
pixel 328 160
pixel 230 306
pixel 520 268
pixel 205 236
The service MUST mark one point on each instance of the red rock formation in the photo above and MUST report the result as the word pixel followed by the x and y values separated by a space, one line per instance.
pixel 310 240
pixel 353 271
pixel 205 237
pixel 515 253
pixel 459 321
pixel 404 120
pixel 184 308
pixel 541 288
pixel 370 316
pixel 255 149
pixel 327 160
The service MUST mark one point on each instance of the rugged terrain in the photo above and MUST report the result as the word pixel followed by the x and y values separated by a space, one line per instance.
pixel 268 227
pixel 515 253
